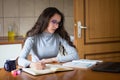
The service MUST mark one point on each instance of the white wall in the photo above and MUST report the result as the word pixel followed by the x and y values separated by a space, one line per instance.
pixel 22 14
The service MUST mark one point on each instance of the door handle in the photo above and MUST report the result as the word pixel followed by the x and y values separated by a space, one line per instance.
pixel 80 27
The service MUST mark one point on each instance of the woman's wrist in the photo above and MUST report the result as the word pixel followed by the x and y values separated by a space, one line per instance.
pixel 54 60
pixel 50 60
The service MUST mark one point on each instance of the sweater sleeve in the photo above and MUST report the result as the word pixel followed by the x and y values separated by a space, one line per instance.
pixel 22 60
pixel 71 52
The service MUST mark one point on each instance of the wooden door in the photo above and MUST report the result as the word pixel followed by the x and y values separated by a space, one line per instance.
pixel 101 38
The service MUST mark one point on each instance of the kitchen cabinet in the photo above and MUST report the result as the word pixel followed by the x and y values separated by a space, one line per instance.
pixel 9 50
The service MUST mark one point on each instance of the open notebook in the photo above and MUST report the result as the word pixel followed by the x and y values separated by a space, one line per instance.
pixel 50 68
pixel 82 63
pixel 107 67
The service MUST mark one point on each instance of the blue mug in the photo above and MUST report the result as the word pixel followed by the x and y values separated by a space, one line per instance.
pixel 10 65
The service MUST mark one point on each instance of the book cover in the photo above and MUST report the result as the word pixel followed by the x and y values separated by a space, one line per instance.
pixel 50 68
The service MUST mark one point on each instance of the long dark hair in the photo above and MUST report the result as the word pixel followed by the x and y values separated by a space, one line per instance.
pixel 43 21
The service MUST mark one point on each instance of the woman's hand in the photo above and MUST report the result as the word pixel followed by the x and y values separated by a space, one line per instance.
pixel 38 65
pixel 50 60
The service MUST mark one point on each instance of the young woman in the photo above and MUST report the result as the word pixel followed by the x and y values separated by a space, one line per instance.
pixel 44 39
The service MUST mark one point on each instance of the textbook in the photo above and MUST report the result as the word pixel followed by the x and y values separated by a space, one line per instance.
pixel 81 63
pixel 50 68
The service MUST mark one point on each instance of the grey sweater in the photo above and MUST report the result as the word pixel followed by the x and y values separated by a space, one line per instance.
pixel 45 46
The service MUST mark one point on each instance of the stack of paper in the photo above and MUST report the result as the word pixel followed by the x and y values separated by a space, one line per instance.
pixel 82 63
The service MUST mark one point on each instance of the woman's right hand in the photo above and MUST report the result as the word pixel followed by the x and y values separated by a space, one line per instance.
pixel 37 65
